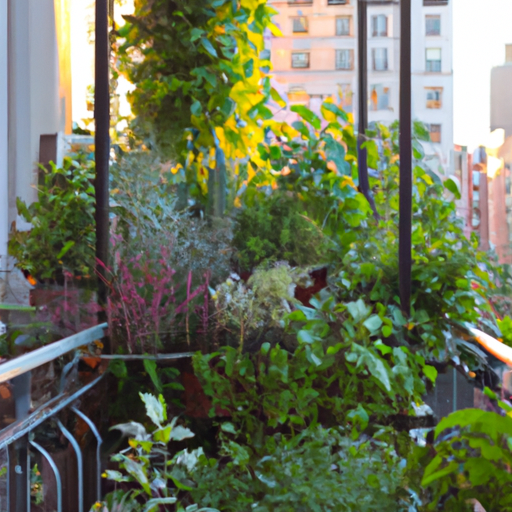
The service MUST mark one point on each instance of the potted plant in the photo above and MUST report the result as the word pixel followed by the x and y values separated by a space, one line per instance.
pixel 60 244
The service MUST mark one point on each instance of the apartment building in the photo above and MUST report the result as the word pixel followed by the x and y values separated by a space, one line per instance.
pixel 317 58
pixel 35 96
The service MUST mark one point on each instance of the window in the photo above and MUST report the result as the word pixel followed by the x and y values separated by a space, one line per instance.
pixel 337 2
pixel 379 97
pixel 433 25
pixel 343 26
pixel 300 25
pixel 300 1
pixel 344 59
pixel 434 97
pixel 435 132
pixel 379 26
pixel 380 59
pixel 435 2
pixel 300 60
pixel 345 96
pixel 298 95
pixel 433 60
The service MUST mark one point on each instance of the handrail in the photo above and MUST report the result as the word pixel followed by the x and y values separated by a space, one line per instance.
pixel 43 355
pixel 495 347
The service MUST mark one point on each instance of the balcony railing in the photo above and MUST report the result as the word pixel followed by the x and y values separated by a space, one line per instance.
pixel 435 2
pixel 19 441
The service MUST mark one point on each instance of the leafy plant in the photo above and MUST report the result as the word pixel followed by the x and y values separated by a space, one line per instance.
pixel 149 464
pixel 201 58
pixel 318 470
pixel 505 326
pixel 275 230
pixel 473 460
pixel 62 236
pixel 149 306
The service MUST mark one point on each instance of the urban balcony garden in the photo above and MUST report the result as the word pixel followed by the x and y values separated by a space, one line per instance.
pixel 243 341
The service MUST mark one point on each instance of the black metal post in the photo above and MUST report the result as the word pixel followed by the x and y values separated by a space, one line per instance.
pixel 362 49
pixel 405 204
pixel 102 145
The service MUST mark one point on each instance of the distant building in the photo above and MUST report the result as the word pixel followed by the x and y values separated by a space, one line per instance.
pixel 317 59
pixel 501 94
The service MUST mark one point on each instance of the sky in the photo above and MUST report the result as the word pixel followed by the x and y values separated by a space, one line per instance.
pixel 481 28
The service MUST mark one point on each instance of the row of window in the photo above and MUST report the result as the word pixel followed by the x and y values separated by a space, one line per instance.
pixel 345 60
pixel 379 96
pixel 379 100
pixel 379 25
pixel 347 2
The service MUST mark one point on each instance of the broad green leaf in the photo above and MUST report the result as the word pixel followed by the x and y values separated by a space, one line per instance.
pixel 358 310
pixel 331 107
pixel 117 476
pixel 374 363
pixel 209 47
pixel 150 366
pixel 433 476
pixel 179 433
pixel 452 187
pixel 277 97
pixel 138 472
pixel 373 323
pixel 305 337
pixel 155 408
pixel 153 505
pixel 66 248
pixel 307 115
pixel 430 372
pixel 228 427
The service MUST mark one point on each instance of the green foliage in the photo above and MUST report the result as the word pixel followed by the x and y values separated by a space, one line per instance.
pixel 318 470
pixel 505 326
pixel 473 460
pixel 149 464
pixel 204 59
pixel 250 313
pixel 62 236
pixel 275 230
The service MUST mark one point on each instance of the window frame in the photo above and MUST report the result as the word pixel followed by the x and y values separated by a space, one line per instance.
pixel 308 64
pixel 375 25
pixel 430 68
pixel 438 131
pixel 305 25
pixel 434 103
pixel 349 19
pixel 376 106
pixel 374 60
pixel 351 59
pixel 432 17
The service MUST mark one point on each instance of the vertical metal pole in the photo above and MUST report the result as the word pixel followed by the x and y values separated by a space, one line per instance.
pixel 19 478
pixel 484 211
pixel 362 72
pixel 362 50
pixel 102 145
pixel 405 191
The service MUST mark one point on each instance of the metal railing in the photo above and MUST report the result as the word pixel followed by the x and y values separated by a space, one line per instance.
pixel 19 441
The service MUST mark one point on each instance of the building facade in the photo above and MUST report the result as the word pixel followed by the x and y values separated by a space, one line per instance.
pixel 317 58
pixel 501 94
pixel 35 96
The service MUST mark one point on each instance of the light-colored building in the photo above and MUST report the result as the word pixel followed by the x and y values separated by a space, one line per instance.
pixel 35 95
pixel 501 94
pixel 317 58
